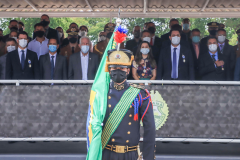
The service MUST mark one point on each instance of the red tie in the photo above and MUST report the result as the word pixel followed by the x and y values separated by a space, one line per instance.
pixel 151 42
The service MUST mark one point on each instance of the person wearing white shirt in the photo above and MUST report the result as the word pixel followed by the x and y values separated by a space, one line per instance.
pixel 40 43
pixel 84 64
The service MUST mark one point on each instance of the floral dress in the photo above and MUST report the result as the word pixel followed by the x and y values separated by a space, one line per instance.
pixel 144 70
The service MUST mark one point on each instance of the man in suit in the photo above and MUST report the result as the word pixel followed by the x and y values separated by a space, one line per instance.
pixel 72 46
pixel 186 28
pixel 213 66
pixel 172 22
pixel 226 50
pixel 155 40
pixel 49 32
pixel 52 65
pixel 175 61
pixel 22 63
pixel 83 65
pixel 237 46
pixel 11 45
pixel 136 40
pixel 194 44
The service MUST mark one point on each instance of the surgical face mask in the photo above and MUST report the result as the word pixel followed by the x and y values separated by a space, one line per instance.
pixel 20 29
pixel 148 39
pixel 151 30
pixel 118 75
pixel 221 38
pixel 23 43
pixel 60 34
pixel 144 51
pixel 196 39
pixel 82 33
pixel 185 26
pixel 11 48
pixel 15 38
pixel 39 34
pixel 136 34
pixel 45 23
pixel 213 32
pixel 85 49
pixel 14 29
pixel 212 47
pixel 52 48
pixel 175 40
pixel 102 38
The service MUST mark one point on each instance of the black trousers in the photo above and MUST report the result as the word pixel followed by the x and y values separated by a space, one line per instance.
pixel 109 155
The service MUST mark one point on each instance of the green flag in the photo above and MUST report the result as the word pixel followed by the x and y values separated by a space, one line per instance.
pixel 97 107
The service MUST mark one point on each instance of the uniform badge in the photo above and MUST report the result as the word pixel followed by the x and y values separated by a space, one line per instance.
pixel 222 68
pixel 118 56
pixel 29 62
pixel 183 58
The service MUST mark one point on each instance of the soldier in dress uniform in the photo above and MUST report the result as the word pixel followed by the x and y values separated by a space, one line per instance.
pixel 123 143
pixel 72 47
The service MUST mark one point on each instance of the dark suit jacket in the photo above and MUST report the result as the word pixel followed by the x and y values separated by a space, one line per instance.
pixel 185 69
pixel 209 72
pixel 52 33
pixel 60 69
pixel 157 43
pixel 228 51
pixel 3 66
pixel 237 70
pixel 195 60
pixel 131 44
pixel 14 69
pixel 75 66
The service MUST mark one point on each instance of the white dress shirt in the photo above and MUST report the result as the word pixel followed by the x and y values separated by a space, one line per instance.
pixel 39 48
pixel 20 53
pixel 177 54
pixel 84 62
pixel 54 59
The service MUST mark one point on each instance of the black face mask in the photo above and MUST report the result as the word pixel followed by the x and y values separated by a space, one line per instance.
pixel 14 29
pixel 20 29
pixel 213 32
pixel 118 75
pixel 151 30
pixel 39 34
pixel 136 34
pixel 72 40
pixel 45 23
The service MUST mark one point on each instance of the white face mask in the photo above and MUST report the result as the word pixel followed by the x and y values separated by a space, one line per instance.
pixel 221 38
pixel 212 47
pixel 102 38
pixel 15 38
pixel 60 35
pixel 175 40
pixel 11 48
pixel 23 43
pixel 144 50
pixel 82 33
pixel 148 39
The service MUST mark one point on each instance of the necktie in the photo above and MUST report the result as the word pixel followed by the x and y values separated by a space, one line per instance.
pixel 213 58
pixel 72 50
pixel 52 67
pixel 197 50
pixel 151 42
pixel 221 47
pixel 174 64
pixel 22 59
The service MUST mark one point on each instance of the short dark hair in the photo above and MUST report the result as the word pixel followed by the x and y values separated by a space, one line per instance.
pixel 53 38
pixel 1 29
pixel 37 25
pixel 45 15
pixel 21 23
pixel 144 32
pixel 13 31
pixel 186 19
pixel 22 32
pixel 11 39
pixel 173 19
pixel 212 38
pixel 196 30
pixel 13 20
pixel 83 26
pixel 176 27
pixel 222 30
pixel 73 23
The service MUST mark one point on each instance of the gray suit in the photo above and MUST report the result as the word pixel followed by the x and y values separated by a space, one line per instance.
pixel 3 66
pixel 75 66
pixel 60 69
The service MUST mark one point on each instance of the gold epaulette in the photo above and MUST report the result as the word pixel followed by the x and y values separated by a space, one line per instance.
pixel 137 86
